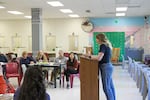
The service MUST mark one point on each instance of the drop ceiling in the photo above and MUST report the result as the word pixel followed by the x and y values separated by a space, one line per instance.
pixel 98 8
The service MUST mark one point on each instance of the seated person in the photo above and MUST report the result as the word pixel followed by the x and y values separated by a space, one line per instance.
pixel 25 60
pixel 41 57
pixel 72 67
pixel 3 59
pixel 33 87
pixel 62 60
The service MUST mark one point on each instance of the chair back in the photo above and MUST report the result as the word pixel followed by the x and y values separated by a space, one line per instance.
pixel 30 54
pixel 12 68
pixel 115 55
pixel 66 54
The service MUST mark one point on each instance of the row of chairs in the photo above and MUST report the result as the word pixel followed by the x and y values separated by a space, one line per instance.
pixel 141 75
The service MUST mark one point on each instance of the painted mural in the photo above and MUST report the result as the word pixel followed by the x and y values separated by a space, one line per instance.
pixel 137 31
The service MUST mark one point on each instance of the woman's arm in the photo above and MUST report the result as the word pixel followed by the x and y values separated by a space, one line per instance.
pixel 75 65
pixel 98 57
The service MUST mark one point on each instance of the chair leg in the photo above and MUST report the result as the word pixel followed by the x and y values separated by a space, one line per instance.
pixel 47 76
pixel 19 80
pixel 63 77
pixel 71 80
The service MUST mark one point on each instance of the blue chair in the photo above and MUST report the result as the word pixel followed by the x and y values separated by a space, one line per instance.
pixel 148 87
pixel 144 87
pixel 141 82
pixel 129 64
pixel 123 62
pixel 139 72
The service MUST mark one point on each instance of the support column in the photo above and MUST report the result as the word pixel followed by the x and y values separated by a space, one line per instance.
pixel 37 43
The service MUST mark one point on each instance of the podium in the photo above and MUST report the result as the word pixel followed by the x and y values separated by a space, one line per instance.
pixel 89 79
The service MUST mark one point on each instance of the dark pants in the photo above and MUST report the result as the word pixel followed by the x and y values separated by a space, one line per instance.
pixel 108 86
pixel 45 74
pixel 4 69
pixel 69 71
pixel 4 73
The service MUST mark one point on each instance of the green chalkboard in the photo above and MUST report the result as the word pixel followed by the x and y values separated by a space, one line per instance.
pixel 116 38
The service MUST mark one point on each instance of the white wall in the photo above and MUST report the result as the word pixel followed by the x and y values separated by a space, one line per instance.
pixel 61 28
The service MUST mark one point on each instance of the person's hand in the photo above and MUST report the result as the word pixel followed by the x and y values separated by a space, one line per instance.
pixel 75 69
pixel 86 55
pixel 31 62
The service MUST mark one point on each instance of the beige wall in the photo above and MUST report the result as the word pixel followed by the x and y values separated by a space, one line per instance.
pixel 61 28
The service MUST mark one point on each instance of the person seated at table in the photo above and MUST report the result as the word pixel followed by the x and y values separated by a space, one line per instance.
pixel 61 59
pixel 33 87
pixel 72 67
pixel 25 60
pixel 41 57
pixel 3 59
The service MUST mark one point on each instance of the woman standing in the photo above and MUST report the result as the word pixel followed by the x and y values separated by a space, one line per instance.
pixel 105 65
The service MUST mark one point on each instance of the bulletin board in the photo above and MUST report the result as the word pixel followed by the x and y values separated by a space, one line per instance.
pixel 116 38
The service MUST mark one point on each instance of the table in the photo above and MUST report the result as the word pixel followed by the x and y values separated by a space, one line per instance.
pixel 50 65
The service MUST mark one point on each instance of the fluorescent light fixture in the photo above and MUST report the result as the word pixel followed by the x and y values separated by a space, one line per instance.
pixel 15 12
pixel 120 14
pixel 74 15
pixel 55 3
pixel 1 7
pixel 29 17
pixel 66 10
pixel 121 8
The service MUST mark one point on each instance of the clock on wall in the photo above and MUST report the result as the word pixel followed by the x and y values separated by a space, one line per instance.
pixel 87 26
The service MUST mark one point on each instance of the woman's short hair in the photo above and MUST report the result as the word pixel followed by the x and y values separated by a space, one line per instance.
pixel 24 53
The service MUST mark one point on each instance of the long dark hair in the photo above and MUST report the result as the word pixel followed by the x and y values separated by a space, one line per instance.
pixel 33 87
pixel 70 58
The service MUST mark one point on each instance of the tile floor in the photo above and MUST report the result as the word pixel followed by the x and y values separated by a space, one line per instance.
pixel 125 88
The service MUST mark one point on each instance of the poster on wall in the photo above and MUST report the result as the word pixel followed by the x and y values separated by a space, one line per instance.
pixel 50 43
pixel 117 40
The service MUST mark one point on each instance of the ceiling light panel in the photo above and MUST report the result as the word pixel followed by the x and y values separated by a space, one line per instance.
pixel 120 14
pixel 29 17
pixel 15 12
pixel 55 3
pixel 121 8
pixel 74 15
pixel 2 7
pixel 66 10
